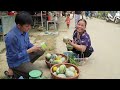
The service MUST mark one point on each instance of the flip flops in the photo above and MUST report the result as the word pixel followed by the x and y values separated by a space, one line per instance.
pixel 7 74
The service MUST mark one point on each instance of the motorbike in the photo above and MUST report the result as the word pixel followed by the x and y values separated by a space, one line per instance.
pixel 113 16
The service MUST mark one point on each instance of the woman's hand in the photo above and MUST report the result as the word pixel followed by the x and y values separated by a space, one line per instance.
pixel 82 48
pixel 71 42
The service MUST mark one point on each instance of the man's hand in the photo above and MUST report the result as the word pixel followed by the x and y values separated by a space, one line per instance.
pixel 33 49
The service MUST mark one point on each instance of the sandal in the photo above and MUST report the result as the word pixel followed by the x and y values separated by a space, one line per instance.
pixel 7 74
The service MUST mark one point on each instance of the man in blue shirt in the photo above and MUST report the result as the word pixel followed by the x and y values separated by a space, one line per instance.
pixel 19 51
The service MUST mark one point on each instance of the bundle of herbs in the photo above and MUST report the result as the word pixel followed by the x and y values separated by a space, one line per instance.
pixel 72 60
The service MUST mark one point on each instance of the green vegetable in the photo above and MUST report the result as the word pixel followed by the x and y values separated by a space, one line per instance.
pixel 62 69
pixel 69 47
pixel 72 68
pixel 62 59
pixel 61 75
pixel 51 60
pixel 48 56
pixel 72 61
pixel 57 62
pixel 69 73
pixel 57 71
pixel 53 56
pixel 65 39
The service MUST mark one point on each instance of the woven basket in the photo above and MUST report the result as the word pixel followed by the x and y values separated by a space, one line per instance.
pixel 50 64
pixel 67 65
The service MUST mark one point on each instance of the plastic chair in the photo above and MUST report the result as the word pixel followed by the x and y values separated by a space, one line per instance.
pixel 51 22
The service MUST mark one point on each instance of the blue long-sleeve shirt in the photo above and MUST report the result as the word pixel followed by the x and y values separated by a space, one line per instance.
pixel 17 44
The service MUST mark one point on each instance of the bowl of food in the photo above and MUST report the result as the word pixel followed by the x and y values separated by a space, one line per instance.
pixel 52 59
pixel 64 71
